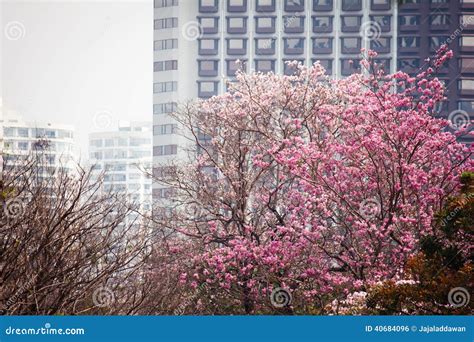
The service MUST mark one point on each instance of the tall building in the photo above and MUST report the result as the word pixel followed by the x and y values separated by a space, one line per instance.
pixel 422 27
pixel 121 156
pixel 21 138
pixel 197 44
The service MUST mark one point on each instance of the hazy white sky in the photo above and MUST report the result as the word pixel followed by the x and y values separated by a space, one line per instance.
pixel 74 59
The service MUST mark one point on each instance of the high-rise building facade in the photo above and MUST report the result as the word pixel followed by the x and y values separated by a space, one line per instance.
pixel 423 26
pixel 123 157
pixel 21 138
pixel 198 42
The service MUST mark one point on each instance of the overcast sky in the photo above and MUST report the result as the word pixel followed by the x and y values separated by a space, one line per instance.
pixel 67 61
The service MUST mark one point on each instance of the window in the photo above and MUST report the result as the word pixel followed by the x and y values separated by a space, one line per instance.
pixel 466 64
pixel 465 20
pixel 467 41
pixel 165 129
pixel 208 67
pixel 120 167
pixel 165 65
pixel 207 88
pixel 109 143
pixel 322 45
pixel 293 24
pixel 236 46
pixel 236 43
pixel 409 42
pixel 265 5
pixel 466 105
pixel 349 66
pixel 351 5
pixel 209 6
pixel 166 23
pixel 409 20
pixel 23 145
pixel 8 132
pixel 236 25
pixel 165 150
pixel 350 45
pixel 326 64
pixel 50 134
pixel 65 134
pixel 163 193
pixel 165 3
pixel 322 5
pixel 165 44
pixel 139 154
pixel 209 24
pixel 134 176
pixel 436 42
pixel 322 24
pixel 383 63
pixel 380 5
pixel 23 132
pixel 236 5
pixel 39 132
pixel 466 84
pixel 350 23
pixel 119 178
pixel 139 141
pixel 294 5
pixel 233 66
pixel 164 171
pixel 265 46
pixel 165 87
pixel 439 19
pixel 294 45
pixel 381 45
pixel 165 108
pixel 408 63
pixel 265 65
pixel 96 142
pixel 96 155
pixel 208 46
pixel 265 24
pixel 384 21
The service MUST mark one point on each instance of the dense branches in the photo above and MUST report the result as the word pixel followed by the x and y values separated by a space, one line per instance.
pixel 64 244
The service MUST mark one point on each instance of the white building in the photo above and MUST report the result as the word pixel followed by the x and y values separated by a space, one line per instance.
pixel 21 138
pixel 197 44
pixel 121 156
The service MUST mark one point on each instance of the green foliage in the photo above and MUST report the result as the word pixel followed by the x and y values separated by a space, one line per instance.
pixel 443 264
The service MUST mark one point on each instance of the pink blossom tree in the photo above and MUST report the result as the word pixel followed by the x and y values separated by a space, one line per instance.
pixel 315 186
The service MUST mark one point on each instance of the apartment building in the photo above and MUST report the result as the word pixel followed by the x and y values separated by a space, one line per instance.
pixel 198 42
